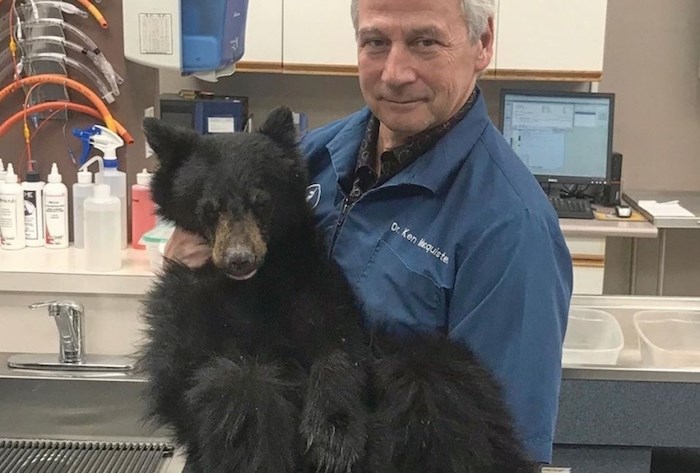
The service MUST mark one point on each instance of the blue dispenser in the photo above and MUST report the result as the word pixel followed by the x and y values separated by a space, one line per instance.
pixel 213 33
pixel 204 38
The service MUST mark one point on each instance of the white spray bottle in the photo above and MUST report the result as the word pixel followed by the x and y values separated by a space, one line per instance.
pixel 107 141
pixel 101 223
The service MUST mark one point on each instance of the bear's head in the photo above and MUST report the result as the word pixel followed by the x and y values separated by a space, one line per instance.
pixel 240 191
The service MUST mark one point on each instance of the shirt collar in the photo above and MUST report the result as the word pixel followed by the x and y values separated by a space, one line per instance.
pixel 431 169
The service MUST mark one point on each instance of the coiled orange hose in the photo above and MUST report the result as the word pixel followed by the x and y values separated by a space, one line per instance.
pixel 44 106
pixel 63 80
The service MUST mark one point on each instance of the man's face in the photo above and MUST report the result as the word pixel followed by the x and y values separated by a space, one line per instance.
pixel 416 62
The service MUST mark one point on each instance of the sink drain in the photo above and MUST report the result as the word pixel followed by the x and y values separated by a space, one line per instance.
pixel 54 456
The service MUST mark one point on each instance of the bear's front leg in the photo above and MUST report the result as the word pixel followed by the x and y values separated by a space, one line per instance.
pixel 334 419
pixel 246 417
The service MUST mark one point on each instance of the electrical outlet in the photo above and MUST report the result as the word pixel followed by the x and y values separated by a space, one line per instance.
pixel 149 112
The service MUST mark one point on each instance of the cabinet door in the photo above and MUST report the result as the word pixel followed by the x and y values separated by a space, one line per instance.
pixel 318 33
pixel 551 35
pixel 588 255
pixel 263 34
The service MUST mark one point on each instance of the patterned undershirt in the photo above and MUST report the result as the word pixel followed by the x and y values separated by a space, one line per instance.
pixel 394 160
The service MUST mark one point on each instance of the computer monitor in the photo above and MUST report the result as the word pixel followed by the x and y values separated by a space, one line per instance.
pixel 562 137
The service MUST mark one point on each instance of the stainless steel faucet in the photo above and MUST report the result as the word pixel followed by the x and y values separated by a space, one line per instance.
pixel 69 318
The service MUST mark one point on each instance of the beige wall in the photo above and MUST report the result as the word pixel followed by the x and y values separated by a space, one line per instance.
pixel 652 61
pixel 652 57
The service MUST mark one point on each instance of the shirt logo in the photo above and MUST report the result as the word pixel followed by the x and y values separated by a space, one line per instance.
pixel 313 195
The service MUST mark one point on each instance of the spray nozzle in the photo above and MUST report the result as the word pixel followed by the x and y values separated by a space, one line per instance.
pixel 101 138
pixel 99 177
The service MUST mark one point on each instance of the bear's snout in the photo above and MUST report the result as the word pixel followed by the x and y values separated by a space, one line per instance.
pixel 239 248
pixel 241 263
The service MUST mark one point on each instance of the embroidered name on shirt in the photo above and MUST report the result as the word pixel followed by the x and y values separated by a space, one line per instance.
pixel 429 248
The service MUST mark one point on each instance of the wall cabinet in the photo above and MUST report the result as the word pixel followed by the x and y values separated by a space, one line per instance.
pixel 318 33
pixel 537 39
pixel 551 38
pixel 263 35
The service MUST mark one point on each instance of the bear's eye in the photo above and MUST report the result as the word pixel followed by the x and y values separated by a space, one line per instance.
pixel 209 211
pixel 261 203
pixel 259 199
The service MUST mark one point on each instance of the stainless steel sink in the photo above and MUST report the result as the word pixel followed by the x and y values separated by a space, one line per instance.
pixel 77 406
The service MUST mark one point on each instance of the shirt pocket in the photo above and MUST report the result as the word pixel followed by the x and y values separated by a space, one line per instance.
pixel 392 292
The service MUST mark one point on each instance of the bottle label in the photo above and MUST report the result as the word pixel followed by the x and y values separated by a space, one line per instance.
pixel 55 208
pixel 8 219
pixel 31 215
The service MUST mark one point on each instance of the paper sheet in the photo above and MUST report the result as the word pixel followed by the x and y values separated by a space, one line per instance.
pixel 665 209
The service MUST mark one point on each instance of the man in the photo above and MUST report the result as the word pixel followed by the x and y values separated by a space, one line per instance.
pixel 434 220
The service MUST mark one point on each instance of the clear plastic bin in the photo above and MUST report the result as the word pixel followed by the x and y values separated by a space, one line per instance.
pixel 593 337
pixel 155 240
pixel 669 339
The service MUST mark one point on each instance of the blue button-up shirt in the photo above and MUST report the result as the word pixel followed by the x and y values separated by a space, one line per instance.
pixel 463 241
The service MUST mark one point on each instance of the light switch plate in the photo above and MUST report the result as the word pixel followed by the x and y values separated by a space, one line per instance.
pixel 149 112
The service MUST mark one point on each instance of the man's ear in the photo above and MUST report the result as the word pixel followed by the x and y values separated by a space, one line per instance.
pixel 170 143
pixel 487 44
pixel 279 126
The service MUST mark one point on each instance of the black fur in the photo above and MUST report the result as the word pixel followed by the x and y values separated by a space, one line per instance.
pixel 259 360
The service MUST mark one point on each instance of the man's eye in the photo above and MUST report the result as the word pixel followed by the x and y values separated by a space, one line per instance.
pixel 374 44
pixel 426 43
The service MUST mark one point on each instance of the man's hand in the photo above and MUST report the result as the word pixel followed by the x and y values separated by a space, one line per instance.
pixel 187 248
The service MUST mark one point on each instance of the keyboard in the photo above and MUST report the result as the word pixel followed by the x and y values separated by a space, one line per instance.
pixel 572 208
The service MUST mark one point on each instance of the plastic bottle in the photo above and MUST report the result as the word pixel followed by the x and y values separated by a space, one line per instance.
pixel 107 141
pixel 143 211
pixel 33 208
pixel 56 210
pixel 2 183
pixel 12 212
pixel 102 221
pixel 81 191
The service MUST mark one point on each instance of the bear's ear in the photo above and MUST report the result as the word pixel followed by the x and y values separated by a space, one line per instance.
pixel 170 143
pixel 279 126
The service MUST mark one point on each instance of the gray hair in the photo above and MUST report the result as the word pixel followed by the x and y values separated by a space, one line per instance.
pixel 476 14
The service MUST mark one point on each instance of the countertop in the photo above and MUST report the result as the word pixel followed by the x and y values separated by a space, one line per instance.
pixel 688 200
pixel 36 270
pixel 606 228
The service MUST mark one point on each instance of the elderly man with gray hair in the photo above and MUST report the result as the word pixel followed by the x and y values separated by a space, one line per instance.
pixel 435 221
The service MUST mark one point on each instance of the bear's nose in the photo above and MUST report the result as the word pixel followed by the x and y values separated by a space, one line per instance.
pixel 241 264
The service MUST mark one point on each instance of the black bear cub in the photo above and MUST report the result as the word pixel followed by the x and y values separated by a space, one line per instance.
pixel 260 361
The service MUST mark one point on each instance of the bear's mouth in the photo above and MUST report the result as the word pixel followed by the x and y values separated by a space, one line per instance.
pixel 241 276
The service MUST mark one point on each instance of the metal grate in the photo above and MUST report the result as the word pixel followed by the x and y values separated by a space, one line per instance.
pixel 55 456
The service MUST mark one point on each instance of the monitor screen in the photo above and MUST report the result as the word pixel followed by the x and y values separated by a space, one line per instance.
pixel 562 137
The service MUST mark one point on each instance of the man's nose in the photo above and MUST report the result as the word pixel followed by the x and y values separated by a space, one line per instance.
pixel 398 67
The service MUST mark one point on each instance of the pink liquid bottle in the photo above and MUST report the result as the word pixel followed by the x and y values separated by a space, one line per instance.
pixel 143 212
